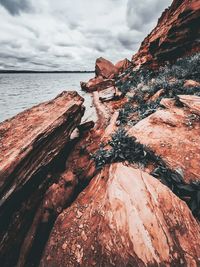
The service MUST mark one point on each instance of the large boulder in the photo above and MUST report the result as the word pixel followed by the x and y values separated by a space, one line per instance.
pixel 30 144
pixel 105 68
pixel 125 217
pixel 105 72
pixel 122 65
pixel 174 135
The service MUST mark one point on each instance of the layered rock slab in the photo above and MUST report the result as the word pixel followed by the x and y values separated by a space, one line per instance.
pixel 125 217
pixel 176 34
pixel 96 84
pixel 29 143
pixel 174 135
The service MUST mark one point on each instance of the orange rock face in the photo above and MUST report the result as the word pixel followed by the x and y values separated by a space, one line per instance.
pixel 105 68
pixel 125 217
pixel 29 144
pixel 176 34
pixel 191 83
pixel 123 65
pixel 174 134
pixel 96 84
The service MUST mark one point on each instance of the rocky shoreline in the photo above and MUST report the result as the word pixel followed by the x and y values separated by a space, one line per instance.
pixel 121 191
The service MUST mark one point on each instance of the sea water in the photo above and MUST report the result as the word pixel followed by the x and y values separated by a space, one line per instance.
pixel 23 90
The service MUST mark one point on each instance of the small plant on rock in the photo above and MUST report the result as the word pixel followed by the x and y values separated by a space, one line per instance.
pixel 101 157
pixel 123 148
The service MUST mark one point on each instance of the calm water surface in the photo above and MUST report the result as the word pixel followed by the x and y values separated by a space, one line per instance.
pixel 21 91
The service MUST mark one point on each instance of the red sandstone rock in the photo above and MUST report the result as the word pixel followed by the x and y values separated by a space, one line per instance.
pixel 105 71
pixel 107 94
pixel 122 65
pixel 176 34
pixel 29 145
pixel 167 102
pixel 192 102
pixel 125 217
pixel 191 83
pixel 111 93
pixel 105 68
pixel 158 94
pixel 97 84
pixel 77 169
pixel 58 195
pixel 174 134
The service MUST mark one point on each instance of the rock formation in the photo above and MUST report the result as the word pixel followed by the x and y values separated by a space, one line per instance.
pixel 191 84
pixel 174 134
pixel 30 144
pixel 96 84
pixel 105 68
pixel 105 72
pixel 122 65
pixel 124 218
pixel 124 191
pixel 176 34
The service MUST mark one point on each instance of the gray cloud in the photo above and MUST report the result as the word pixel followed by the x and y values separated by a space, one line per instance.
pixel 69 35
pixel 44 64
pixel 14 7
pixel 19 58
pixel 130 39
pixel 141 14
pixel 100 47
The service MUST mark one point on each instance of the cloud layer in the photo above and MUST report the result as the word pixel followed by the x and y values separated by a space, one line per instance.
pixel 16 6
pixel 70 35
pixel 141 15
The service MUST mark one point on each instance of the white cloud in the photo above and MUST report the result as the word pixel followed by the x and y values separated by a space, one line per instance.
pixel 70 35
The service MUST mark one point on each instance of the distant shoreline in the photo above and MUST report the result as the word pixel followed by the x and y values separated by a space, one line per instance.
pixel 33 71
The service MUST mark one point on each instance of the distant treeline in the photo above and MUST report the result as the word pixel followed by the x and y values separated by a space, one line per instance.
pixel 33 71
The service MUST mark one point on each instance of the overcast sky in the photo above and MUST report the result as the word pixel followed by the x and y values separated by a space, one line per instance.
pixel 71 34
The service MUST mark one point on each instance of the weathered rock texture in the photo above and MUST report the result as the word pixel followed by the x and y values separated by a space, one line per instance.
pixel 111 93
pixel 174 134
pixel 191 84
pixel 176 34
pixel 105 68
pixel 124 218
pixel 105 71
pixel 29 146
pixel 122 65
pixel 97 84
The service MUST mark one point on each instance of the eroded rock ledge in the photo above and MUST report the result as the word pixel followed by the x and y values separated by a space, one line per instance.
pixel 30 143
pixel 176 35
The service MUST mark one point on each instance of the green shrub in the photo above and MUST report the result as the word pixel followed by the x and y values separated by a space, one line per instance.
pixel 125 112
pixel 183 69
pixel 142 110
pixel 170 78
pixel 122 148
